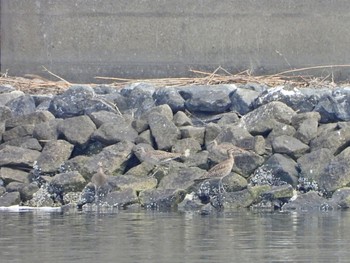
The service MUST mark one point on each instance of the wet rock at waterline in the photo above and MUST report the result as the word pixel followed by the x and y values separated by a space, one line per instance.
pixel 295 147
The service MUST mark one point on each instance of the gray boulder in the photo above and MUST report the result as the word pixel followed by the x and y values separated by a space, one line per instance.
pixel 28 191
pixel 77 130
pixel 181 119
pixel 101 117
pixel 18 132
pixel 264 119
pixel 234 182
pixel 302 100
pixel 310 201
pixel 242 100
pixel 68 182
pixel 47 131
pixel 238 199
pixel 280 167
pixel 122 199
pixel 181 177
pixel 336 173
pixel 5 113
pixel 162 199
pixel 78 100
pixel 163 110
pixel 196 133
pixel 247 162
pixel 22 105
pixel 341 198
pixel 171 97
pixel 136 183
pixel 9 199
pixel 8 175
pixel 24 142
pixel 29 119
pixel 289 145
pixel 111 133
pixel 8 96
pixel 312 164
pixel 335 138
pixel 306 125
pixel 335 106
pixel 114 159
pixel 214 99
pixel 18 157
pixel 53 156
pixel 164 131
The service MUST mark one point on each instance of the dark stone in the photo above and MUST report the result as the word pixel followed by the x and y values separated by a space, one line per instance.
pixel 171 97
pixel 302 100
pixel 265 118
pixel 164 131
pixel 180 177
pixel 161 199
pixel 114 159
pixel 22 105
pixel 111 133
pixel 196 133
pixel 122 198
pixel 77 130
pixel 335 106
pixel 7 97
pixel 78 100
pixel 27 191
pixel 181 119
pixel 5 113
pixel 47 131
pixel 312 164
pixel 18 157
pixel 87 195
pixel 336 173
pixel 9 199
pixel 14 186
pixel 289 145
pixel 29 119
pixel 234 182
pixel 24 142
pixel 307 130
pixel 335 138
pixel 206 98
pixel 13 175
pixel 101 117
pixel 310 201
pixel 18 132
pixel 242 100
pixel 54 154
pixel 279 167
pixel 68 182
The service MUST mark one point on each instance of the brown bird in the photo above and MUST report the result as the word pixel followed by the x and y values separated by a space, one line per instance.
pixel 223 168
pixel 99 178
pixel 221 149
pixel 157 157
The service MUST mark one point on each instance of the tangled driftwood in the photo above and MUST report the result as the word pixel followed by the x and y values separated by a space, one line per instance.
pixel 39 85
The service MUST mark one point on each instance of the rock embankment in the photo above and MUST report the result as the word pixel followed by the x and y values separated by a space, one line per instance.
pixel 293 146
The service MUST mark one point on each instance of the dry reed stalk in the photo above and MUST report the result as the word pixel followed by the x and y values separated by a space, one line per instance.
pixel 218 76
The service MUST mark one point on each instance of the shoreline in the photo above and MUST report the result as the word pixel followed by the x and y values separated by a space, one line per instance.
pixel 295 143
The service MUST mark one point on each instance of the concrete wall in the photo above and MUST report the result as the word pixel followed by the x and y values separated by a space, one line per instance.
pixel 80 39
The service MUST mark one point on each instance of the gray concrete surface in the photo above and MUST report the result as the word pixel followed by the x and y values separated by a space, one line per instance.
pixel 81 39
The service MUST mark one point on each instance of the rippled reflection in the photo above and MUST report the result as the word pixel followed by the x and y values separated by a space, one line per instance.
pixel 145 236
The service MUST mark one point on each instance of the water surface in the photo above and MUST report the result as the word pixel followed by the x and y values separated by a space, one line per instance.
pixel 150 236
